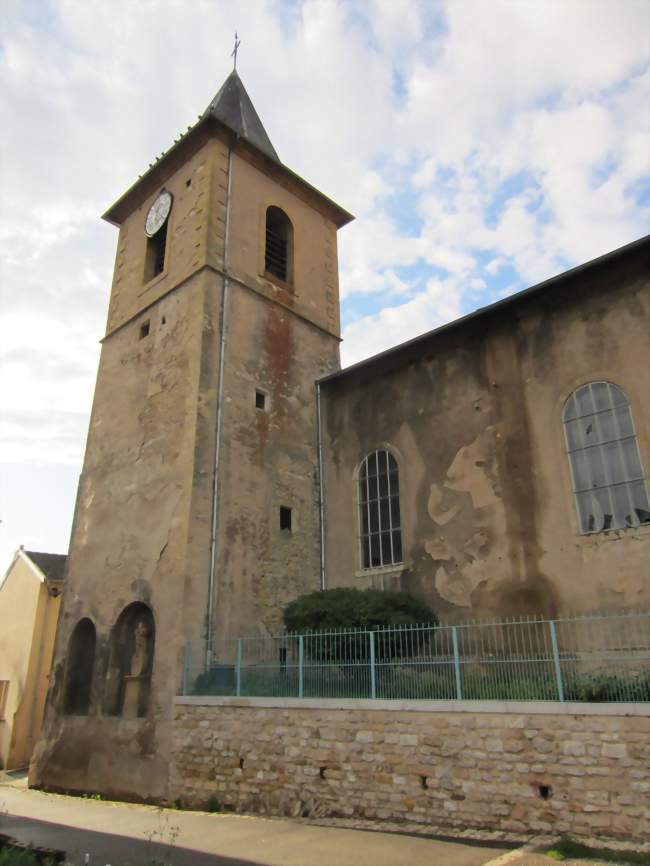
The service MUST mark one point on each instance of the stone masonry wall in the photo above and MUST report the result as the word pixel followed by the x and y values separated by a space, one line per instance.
pixel 522 769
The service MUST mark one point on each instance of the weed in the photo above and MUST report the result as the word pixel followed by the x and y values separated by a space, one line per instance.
pixel 212 804
pixel 164 835
pixel 569 849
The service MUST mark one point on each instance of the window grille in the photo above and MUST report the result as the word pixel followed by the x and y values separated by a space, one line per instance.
pixel 608 478
pixel 279 234
pixel 379 513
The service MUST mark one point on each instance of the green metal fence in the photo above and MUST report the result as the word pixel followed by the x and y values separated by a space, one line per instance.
pixel 590 658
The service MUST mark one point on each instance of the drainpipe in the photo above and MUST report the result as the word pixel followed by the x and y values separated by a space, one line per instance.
pixel 321 499
pixel 217 445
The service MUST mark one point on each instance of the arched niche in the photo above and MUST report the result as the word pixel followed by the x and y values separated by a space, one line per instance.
pixel 130 662
pixel 79 668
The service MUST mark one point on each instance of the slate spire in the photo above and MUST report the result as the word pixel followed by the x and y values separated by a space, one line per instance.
pixel 233 107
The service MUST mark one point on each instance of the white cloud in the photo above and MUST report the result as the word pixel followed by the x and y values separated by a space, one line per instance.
pixel 439 303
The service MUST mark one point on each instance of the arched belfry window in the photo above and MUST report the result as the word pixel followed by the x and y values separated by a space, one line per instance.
pixel 278 253
pixel 379 513
pixel 79 669
pixel 608 479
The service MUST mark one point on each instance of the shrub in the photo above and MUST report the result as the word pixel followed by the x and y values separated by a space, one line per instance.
pixel 12 856
pixel 348 608
pixel 602 688
pixel 356 610
pixel 212 804
pixel 219 680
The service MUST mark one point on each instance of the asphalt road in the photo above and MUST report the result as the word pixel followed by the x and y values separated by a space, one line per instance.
pixel 119 833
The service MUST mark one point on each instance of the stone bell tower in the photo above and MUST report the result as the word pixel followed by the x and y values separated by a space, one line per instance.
pixel 197 511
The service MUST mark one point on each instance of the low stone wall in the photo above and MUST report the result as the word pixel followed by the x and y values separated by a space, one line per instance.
pixel 518 768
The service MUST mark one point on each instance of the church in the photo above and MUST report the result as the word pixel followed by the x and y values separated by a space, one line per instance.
pixel 492 467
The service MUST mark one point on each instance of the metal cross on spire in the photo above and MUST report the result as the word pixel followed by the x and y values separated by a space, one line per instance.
pixel 234 51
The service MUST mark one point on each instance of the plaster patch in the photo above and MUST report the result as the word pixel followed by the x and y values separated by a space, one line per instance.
pixel 434 507
pixel 472 550
pixel 477 544
pixel 438 548
pixel 206 402
pixel 467 473
pixel 451 588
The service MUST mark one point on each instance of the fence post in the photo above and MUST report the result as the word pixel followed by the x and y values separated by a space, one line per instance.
pixel 556 661
pixel 301 667
pixel 454 640
pixel 373 673
pixel 238 669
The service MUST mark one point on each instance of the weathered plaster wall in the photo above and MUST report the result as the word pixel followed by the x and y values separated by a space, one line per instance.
pixel 131 534
pixel 522 769
pixel 143 523
pixel 312 291
pixel 473 418
pixel 279 339
pixel 268 460
pixel 195 234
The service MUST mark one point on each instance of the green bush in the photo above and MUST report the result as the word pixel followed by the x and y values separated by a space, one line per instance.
pixel 603 688
pixel 335 611
pixel 212 804
pixel 11 856
pixel 348 608
pixel 218 680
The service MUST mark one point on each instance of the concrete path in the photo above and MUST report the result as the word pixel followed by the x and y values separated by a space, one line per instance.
pixel 119 833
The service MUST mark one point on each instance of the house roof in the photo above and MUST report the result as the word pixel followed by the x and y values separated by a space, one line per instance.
pixel 51 564
pixel 233 107
pixel 405 352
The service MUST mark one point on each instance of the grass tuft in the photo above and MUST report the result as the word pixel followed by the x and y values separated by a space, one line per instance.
pixel 569 849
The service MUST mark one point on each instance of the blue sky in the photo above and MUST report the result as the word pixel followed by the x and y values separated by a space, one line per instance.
pixel 483 147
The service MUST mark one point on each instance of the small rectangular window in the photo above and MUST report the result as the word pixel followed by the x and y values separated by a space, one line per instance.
pixel 144 329
pixel 285 518
pixel 4 691
pixel 260 400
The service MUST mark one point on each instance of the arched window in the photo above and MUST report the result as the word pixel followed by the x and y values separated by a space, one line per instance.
pixel 130 662
pixel 278 255
pixel 608 480
pixel 79 669
pixel 379 517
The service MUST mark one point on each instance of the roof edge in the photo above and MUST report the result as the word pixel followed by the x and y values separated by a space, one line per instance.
pixel 208 123
pixel 490 308
pixel 11 565
pixel 24 556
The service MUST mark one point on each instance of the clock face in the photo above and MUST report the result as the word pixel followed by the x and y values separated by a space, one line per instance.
pixel 158 213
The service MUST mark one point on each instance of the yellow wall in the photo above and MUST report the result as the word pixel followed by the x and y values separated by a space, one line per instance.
pixel 28 618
